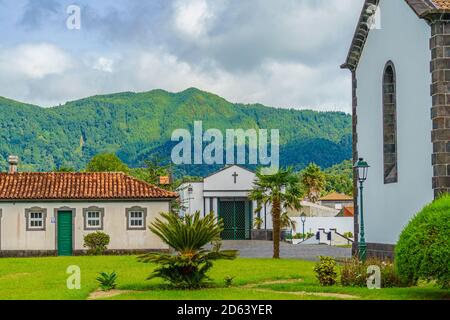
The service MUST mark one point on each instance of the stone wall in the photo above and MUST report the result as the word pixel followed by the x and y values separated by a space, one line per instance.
pixel 440 112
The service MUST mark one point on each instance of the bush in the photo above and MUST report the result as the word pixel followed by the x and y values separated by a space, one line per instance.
pixel 307 235
pixel 354 273
pixel 188 236
pixel 348 235
pixel 326 271
pixel 423 250
pixel 96 242
pixel 228 280
pixel 107 281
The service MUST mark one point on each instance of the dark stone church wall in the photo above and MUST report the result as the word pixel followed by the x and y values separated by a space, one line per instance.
pixel 440 111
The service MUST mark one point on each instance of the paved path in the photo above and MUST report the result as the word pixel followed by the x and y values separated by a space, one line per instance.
pixel 264 249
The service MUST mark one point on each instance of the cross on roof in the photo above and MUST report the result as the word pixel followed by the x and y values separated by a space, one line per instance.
pixel 235 175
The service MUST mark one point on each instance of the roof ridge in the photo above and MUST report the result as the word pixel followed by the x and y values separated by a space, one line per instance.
pixel 77 185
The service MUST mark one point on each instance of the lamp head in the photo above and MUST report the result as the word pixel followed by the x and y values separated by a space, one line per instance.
pixel 362 169
pixel 303 217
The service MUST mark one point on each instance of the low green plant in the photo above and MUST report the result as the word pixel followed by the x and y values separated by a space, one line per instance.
pixel 348 235
pixel 325 271
pixel 306 235
pixel 228 280
pixel 96 242
pixel 107 281
pixel 188 236
pixel 354 273
pixel 423 250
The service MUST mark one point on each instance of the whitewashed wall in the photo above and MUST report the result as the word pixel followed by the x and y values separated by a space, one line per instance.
pixel 191 202
pixel 223 180
pixel 404 39
pixel 16 237
pixel 313 224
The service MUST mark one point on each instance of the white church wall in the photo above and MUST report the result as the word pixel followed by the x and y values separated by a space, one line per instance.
pixel 192 202
pixel 403 39
pixel 224 180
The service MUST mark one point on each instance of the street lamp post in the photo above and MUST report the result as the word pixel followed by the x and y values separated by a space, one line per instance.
pixel 362 168
pixel 303 219
pixel 190 191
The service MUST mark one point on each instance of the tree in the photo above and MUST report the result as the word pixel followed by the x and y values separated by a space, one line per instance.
pixel 106 162
pixel 152 171
pixel 339 178
pixel 65 169
pixel 313 181
pixel 281 190
pixel 187 236
pixel 340 183
pixel 287 222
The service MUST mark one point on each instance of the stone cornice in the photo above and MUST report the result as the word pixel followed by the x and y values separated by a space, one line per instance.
pixel 424 9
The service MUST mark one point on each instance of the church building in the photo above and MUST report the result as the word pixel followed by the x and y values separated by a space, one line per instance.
pixel 400 65
pixel 225 193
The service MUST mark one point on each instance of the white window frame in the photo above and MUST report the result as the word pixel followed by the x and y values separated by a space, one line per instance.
pixel 30 217
pixel 87 219
pixel 143 218
pixel 90 219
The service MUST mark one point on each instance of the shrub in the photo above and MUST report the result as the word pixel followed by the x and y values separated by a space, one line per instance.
pixel 354 273
pixel 423 250
pixel 348 235
pixel 188 236
pixel 96 242
pixel 107 281
pixel 325 271
pixel 389 276
pixel 307 235
pixel 228 280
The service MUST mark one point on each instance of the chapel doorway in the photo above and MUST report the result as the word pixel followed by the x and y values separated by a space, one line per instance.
pixel 236 214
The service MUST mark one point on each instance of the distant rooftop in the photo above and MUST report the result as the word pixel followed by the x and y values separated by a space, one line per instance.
pixel 334 196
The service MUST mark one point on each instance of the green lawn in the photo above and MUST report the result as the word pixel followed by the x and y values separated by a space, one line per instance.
pixel 45 278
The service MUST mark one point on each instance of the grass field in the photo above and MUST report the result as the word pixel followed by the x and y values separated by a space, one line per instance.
pixel 260 279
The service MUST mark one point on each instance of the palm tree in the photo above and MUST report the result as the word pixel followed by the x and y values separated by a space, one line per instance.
pixel 313 180
pixel 187 236
pixel 287 222
pixel 281 189
pixel 258 222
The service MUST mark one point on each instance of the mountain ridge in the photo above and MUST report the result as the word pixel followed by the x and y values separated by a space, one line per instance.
pixel 137 125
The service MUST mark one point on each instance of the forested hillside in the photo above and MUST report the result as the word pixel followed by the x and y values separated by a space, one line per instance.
pixel 137 126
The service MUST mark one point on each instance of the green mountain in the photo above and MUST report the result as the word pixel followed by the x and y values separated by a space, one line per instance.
pixel 137 126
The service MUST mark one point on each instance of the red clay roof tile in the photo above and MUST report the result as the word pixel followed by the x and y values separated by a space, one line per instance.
pixel 441 4
pixel 77 186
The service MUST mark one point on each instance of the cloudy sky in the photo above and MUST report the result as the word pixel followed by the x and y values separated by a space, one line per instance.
pixel 283 53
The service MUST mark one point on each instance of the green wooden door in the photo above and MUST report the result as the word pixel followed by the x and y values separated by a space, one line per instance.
pixel 236 219
pixel 65 233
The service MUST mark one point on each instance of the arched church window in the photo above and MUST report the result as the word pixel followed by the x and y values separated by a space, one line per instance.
pixel 390 124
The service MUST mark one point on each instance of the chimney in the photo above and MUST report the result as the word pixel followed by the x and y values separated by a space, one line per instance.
pixel 13 161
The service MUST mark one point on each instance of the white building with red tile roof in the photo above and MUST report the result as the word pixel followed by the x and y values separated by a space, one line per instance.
pixel 50 213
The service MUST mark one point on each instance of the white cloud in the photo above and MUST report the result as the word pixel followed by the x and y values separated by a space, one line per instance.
pixel 35 61
pixel 104 64
pixel 279 84
pixel 280 53
pixel 192 16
